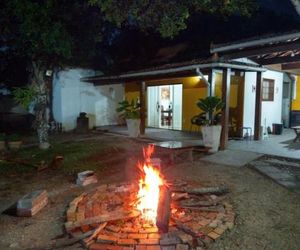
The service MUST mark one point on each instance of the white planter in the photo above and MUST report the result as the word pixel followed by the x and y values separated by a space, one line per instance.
pixel 44 145
pixel 133 126
pixel 211 137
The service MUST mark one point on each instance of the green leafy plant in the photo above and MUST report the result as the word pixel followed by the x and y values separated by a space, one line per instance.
pixel 2 137
pixel 25 95
pixel 129 110
pixel 211 105
pixel 14 137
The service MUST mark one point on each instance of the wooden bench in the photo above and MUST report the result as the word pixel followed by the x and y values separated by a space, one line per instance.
pixel 176 148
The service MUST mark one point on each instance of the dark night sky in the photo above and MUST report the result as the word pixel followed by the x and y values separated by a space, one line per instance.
pixel 130 49
pixel 135 50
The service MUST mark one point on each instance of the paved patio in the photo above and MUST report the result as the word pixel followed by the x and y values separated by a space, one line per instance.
pixel 277 145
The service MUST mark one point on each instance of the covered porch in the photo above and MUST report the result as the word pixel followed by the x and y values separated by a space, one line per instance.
pixel 203 69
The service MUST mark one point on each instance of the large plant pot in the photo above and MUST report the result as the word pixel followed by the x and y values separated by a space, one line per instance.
pixel 211 137
pixel 133 126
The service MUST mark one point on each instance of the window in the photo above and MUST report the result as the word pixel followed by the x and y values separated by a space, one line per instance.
pixel 268 90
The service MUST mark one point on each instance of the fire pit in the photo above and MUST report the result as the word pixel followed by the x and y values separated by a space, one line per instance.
pixel 151 214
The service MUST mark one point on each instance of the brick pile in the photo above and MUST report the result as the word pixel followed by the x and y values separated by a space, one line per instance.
pixel 100 213
pixel 32 203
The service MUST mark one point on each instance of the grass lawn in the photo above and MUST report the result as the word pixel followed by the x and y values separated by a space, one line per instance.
pixel 77 156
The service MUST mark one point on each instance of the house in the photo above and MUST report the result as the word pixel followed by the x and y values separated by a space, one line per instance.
pixel 254 94
pixel 72 96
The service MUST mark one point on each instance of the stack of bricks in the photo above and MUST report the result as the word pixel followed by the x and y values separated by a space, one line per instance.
pixel 135 234
pixel 85 178
pixel 32 203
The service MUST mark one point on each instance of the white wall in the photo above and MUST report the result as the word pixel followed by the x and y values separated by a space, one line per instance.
pixel 271 111
pixel 71 96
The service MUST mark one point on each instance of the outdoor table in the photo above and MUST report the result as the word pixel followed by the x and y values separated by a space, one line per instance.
pixel 176 148
pixel 297 131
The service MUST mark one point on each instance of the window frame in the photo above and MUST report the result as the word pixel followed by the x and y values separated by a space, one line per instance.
pixel 270 88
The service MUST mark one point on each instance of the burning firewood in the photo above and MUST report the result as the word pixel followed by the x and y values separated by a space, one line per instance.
pixel 163 209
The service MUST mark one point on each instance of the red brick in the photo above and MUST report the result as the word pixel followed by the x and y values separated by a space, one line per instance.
pixel 149 241
pixel 213 235
pixel 127 242
pixel 154 236
pixel 113 228
pixel 153 247
pixel 140 247
pixel 99 246
pixel 80 216
pixel 137 236
pixel 85 228
pixel 127 248
pixel 96 209
pixel 129 230
pixel 149 230
pixel 107 238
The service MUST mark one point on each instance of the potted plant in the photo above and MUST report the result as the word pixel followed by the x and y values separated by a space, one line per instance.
pixel 14 141
pixel 211 132
pixel 2 141
pixel 131 113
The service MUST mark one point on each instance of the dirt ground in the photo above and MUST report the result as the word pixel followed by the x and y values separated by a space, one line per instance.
pixel 268 215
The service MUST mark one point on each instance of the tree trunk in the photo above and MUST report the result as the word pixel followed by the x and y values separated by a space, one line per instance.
pixel 41 103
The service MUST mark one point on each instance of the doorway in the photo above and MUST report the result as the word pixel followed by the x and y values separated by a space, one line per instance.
pixel 164 105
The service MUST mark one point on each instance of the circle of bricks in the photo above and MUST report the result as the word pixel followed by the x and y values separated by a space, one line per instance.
pixel 197 227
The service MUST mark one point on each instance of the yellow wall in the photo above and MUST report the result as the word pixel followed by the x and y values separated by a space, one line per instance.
pixel 235 81
pixel 296 103
pixel 193 89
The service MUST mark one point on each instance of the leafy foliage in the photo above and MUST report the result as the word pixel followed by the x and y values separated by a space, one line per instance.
pixel 167 17
pixel 25 95
pixel 211 105
pixel 14 137
pixel 129 110
pixel 52 31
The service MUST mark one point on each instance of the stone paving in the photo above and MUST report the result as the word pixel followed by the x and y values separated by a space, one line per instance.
pixel 285 172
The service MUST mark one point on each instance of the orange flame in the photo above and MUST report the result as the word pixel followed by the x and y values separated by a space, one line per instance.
pixel 149 184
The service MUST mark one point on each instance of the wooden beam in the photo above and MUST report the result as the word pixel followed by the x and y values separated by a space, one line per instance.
pixel 257 122
pixel 143 107
pixel 225 111
pixel 288 66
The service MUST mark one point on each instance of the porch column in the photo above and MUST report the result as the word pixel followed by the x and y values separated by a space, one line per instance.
pixel 143 107
pixel 225 111
pixel 210 80
pixel 257 123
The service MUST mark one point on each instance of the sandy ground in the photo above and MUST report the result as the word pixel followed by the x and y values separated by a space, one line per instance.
pixel 268 215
